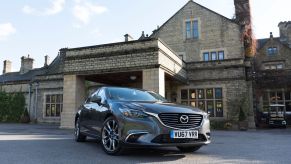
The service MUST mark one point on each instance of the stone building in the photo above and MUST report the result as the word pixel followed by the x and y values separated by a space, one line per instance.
pixel 196 58
pixel 273 70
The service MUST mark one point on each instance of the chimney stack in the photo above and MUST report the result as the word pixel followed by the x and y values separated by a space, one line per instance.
pixel 242 12
pixel 6 66
pixel 127 38
pixel 26 64
pixel 46 60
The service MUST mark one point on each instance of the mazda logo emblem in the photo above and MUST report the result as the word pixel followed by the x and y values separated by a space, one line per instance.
pixel 184 119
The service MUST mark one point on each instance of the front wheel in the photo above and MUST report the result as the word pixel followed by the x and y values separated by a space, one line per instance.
pixel 110 140
pixel 188 149
pixel 79 137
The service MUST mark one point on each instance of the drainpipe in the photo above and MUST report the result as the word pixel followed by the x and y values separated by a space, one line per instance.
pixel 29 98
pixel 35 103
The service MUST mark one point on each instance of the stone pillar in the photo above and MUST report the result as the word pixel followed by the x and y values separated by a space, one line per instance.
pixel 73 97
pixel 154 80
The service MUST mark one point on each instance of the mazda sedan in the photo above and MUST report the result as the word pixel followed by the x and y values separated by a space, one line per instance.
pixel 126 117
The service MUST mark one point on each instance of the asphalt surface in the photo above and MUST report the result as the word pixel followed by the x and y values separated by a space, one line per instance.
pixel 46 144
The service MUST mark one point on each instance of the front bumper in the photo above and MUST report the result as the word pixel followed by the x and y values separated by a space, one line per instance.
pixel 152 132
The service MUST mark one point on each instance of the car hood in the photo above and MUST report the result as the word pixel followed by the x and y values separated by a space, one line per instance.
pixel 161 107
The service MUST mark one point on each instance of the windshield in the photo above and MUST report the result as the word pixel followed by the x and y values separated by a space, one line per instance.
pixel 157 96
pixel 127 94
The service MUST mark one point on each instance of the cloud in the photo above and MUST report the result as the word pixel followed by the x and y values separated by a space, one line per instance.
pixel 6 29
pixel 84 10
pixel 56 7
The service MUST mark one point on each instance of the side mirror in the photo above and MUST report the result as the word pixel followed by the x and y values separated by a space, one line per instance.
pixel 96 99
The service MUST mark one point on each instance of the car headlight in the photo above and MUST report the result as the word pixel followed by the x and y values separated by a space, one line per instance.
pixel 206 116
pixel 133 113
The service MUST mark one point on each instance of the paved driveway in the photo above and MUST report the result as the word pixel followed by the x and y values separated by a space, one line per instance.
pixel 48 144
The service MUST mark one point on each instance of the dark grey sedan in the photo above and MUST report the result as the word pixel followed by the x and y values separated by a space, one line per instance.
pixel 126 117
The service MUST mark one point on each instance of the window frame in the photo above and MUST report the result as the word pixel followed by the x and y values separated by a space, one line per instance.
pixel 53 105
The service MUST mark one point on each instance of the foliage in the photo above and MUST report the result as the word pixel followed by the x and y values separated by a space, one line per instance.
pixel 220 125
pixel 25 117
pixel 12 106
pixel 242 116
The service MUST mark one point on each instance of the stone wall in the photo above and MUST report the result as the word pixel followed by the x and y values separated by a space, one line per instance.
pixel 215 33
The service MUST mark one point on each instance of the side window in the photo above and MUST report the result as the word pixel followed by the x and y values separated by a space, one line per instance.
pixel 102 94
pixel 93 94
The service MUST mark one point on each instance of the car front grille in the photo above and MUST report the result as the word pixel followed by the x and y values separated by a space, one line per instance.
pixel 173 120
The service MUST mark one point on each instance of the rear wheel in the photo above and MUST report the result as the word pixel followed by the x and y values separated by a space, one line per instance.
pixel 110 140
pixel 79 137
pixel 188 149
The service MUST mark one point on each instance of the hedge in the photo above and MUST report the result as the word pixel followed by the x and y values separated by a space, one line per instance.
pixel 12 106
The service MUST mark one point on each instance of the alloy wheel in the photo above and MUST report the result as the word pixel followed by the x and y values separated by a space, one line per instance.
pixel 110 136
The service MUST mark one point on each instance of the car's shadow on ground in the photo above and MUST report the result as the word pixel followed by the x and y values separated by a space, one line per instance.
pixel 142 154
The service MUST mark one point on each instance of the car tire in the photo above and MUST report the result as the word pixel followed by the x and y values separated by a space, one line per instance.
pixel 187 149
pixel 79 137
pixel 110 137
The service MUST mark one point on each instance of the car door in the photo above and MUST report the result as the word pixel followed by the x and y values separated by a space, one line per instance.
pixel 97 112
pixel 86 115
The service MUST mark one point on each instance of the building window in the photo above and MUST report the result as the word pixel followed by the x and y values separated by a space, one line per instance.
pixel 195 29
pixel 213 56
pixel 279 66
pixel 273 66
pixel 221 55
pixel 277 97
pixel 53 105
pixel 192 29
pixel 272 51
pixel 188 29
pixel 206 56
pixel 209 100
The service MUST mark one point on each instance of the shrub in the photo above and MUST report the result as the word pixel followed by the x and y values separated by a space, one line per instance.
pixel 12 106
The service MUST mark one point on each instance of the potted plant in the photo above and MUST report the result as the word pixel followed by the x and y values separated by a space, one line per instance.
pixel 25 117
pixel 242 118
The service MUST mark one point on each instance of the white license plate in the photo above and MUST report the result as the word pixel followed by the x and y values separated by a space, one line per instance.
pixel 184 134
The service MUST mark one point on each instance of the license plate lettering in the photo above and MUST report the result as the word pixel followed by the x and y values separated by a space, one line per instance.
pixel 184 134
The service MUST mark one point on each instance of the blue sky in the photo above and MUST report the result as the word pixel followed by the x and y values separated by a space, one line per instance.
pixel 41 28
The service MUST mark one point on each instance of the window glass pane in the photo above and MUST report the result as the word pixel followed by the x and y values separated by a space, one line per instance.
pixel 209 93
pixel 58 98
pixel 48 99
pixel 288 106
pixel 201 105
pixel 184 94
pixel 210 108
pixel 53 110
pixel 280 66
pixel 287 95
pixel 275 50
pixel 53 98
pixel 184 102
pixel 273 67
pixel 193 103
pixel 279 95
pixel 219 109
pixel 272 96
pixel 221 55
pixel 200 93
pixel 192 94
pixel 188 29
pixel 47 110
pixel 206 56
pixel 58 109
pixel 195 29
pixel 213 56
pixel 218 93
